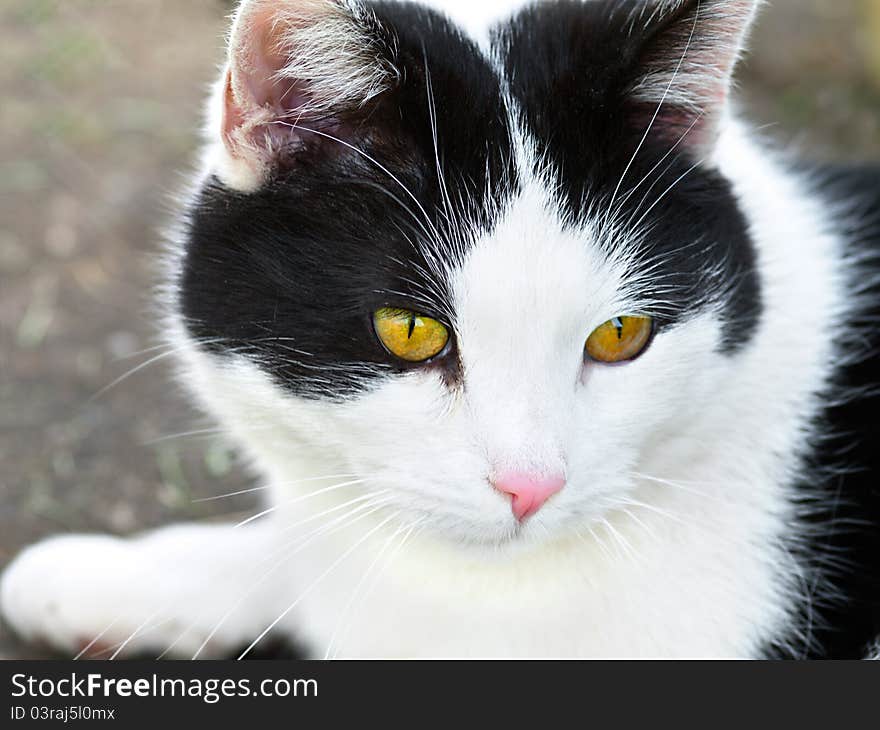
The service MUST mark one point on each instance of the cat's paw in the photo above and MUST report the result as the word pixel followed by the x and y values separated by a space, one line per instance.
pixel 56 593
pixel 177 592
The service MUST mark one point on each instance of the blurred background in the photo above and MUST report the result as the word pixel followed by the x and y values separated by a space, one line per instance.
pixel 99 107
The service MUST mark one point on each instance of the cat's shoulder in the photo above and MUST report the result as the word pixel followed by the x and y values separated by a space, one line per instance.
pixel 843 535
pixel 853 191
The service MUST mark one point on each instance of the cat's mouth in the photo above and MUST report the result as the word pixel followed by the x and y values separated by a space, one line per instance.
pixel 505 534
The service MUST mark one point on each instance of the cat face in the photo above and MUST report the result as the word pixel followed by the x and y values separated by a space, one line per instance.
pixel 495 282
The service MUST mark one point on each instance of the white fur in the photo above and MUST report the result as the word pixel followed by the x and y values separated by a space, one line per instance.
pixel 666 541
pixel 166 589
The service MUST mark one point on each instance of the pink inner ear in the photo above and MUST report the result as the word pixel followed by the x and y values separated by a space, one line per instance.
pixel 308 62
pixel 261 70
pixel 233 117
pixel 260 103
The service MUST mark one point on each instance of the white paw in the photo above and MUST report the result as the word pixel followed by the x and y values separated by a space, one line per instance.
pixel 177 591
pixel 69 591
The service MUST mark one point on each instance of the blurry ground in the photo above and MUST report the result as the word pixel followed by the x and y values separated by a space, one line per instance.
pixel 99 101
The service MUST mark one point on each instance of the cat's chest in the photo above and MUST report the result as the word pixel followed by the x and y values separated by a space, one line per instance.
pixel 673 591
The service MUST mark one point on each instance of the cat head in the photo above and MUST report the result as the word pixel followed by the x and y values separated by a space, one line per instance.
pixel 494 279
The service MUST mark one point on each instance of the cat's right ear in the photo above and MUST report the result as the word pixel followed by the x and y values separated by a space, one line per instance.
pixel 683 72
pixel 296 70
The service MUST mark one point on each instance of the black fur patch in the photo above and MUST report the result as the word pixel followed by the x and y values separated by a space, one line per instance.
pixel 842 551
pixel 571 67
pixel 292 273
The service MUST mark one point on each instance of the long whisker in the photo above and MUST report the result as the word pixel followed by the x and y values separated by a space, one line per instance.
pixel 145 627
pixel 598 541
pixel 621 541
pixel 270 486
pixel 356 592
pixel 186 434
pixel 161 346
pixel 667 191
pixel 372 160
pixel 683 486
pixel 335 508
pixel 315 582
pixel 301 498
pixel 141 366
pixel 432 113
pixel 640 523
pixel 289 551
pixel 656 112
pixel 97 638
pixel 659 162
pixel 376 578
pixel 416 529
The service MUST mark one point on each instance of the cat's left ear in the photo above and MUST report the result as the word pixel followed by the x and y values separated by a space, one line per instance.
pixel 684 68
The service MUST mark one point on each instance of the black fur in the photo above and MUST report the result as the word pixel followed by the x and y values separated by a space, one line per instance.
pixel 291 274
pixel 572 66
pixel 843 522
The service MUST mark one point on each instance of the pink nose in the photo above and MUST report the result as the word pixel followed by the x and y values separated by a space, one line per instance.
pixel 529 491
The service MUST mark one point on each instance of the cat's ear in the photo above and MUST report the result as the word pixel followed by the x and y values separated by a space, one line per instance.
pixel 684 69
pixel 295 68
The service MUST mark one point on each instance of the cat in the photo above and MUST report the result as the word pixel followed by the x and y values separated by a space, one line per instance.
pixel 540 350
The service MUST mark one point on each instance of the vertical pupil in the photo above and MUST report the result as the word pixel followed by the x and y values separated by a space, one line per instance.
pixel 618 325
pixel 412 326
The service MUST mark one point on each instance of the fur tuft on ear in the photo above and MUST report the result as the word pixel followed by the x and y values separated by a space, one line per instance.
pixel 295 62
pixel 686 65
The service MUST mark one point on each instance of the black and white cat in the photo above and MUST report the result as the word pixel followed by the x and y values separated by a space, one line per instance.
pixel 540 350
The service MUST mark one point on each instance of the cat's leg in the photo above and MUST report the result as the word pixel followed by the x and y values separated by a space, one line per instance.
pixel 171 589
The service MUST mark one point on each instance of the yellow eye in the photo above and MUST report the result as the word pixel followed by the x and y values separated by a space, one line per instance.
pixel 620 339
pixel 408 335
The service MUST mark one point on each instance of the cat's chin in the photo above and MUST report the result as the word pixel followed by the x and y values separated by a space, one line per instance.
pixel 492 541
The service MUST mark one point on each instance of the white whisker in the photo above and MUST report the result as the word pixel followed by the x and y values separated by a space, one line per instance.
pixel 284 555
pixel 656 114
pixel 356 592
pixel 314 583
pixel 270 486
pixel 296 500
